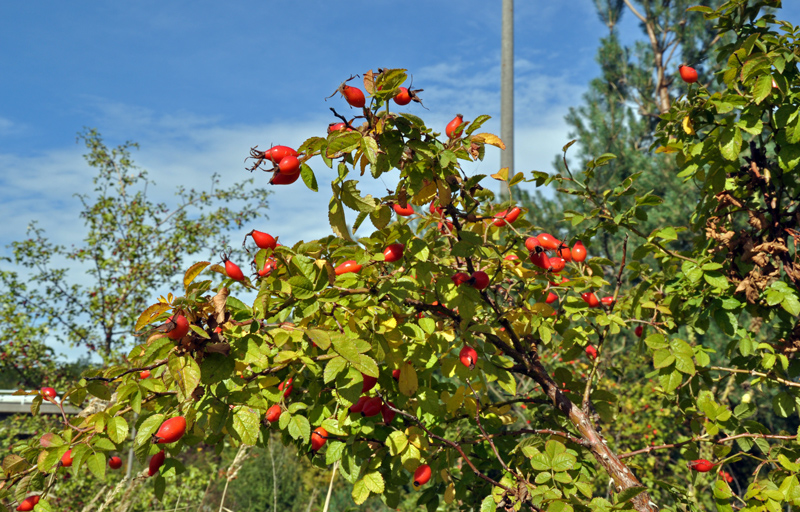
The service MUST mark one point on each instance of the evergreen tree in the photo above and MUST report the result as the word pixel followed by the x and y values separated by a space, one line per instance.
pixel 622 109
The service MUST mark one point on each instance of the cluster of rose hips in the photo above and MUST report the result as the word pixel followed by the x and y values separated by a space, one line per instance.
pixel 285 163
pixel 369 406
pixel 318 437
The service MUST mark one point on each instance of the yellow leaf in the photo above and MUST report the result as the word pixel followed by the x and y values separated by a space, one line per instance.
pixel 268 381
pixel 380 125
pixel 193 272
pixel 454 403
pixel 501 410
pixel 416 438
pixel 542 309
pixel 408 380
pixel 425 195
pixel 450 494
pixel 501 175
pixel 394 337
pixel 149 314
pixel 508 419
pixel 446 335
pixel 489 138
pixel 445 197
pixel 688 126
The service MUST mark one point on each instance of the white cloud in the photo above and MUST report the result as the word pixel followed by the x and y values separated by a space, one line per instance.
pixel 6 126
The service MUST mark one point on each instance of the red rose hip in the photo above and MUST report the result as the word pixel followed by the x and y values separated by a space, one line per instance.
pixel 171 430
pixel 422 475
pixel 318 438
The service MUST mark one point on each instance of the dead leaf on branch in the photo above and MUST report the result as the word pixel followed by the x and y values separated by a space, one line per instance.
pixel 219 305
pixel 776 247
pixel 720 234
pixel 751 291
pixel 726 199
pixel 757 220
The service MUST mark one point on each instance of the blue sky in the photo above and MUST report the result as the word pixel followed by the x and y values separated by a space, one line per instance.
pixel 198 83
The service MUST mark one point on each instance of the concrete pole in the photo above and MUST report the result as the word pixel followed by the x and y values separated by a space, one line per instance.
pixel 507 89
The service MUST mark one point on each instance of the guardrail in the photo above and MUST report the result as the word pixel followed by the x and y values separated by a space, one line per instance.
pixel 21 404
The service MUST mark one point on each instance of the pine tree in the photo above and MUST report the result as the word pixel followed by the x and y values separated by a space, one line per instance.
pixel 621 112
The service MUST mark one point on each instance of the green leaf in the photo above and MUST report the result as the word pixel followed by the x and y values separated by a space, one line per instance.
pixel 352 198
pixel 336 217
pixel 397 442
pixel 101 443
pixel 52 457
pixel 791 304
pixel 662 358
pixel 668 233
pixel 563 462
pixel 629 494
pixel 730 143
pixel 308 177
pixel 43 506
pixel 506 381
pixel 488 504
pixel 117 429
pixel 99 390
pixel 656 341
pixel 190 275
pixel 370 148
pixel 476 124
pixel 333 452
pixel 783 403
pixel 334 367
pixel 215 368
pixel 366 365
pixel 716 279
pixel 540 462
pixel 374 482
pixel 185 371
pixel 299 427
pixel 342 142
pixel 160 486
pixel 560 506
pixel 360 492
pixel 319 337
pixel 684 354
pixel 381 216
pixel 789 157
pixel 408 380
pixel 246 424
pixel 762 88
pixel 302 288
pixel 670 380
pixel 97 465
pixel 148 427
pixel 14 464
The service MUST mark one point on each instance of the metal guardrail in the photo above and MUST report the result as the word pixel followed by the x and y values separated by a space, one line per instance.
pixel 21 404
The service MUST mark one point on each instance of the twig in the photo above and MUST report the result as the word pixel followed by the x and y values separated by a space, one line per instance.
pixel 274 478
pixel 233 470
pixel 330 488
pixel 485 434
pixel 757 374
